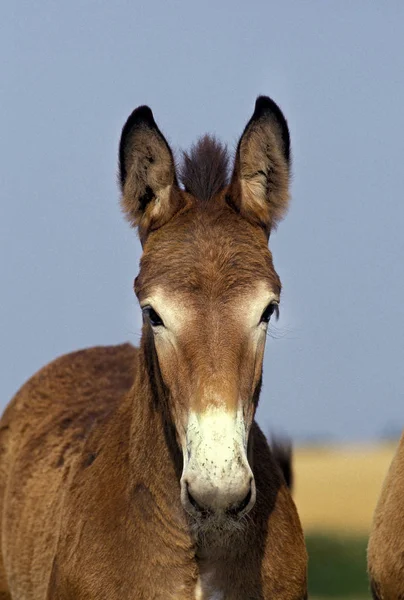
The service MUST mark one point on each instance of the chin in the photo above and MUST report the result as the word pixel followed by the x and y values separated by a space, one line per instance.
pixel 218 530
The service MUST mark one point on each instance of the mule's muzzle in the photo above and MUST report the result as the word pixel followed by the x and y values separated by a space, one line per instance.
pixel 205 500
pixel 217 479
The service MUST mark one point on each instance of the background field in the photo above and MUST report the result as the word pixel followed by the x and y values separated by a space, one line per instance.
pixel 336 490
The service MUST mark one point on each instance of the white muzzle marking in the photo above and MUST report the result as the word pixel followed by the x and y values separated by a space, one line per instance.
pixel 216 472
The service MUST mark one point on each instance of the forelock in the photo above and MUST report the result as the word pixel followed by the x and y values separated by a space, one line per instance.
pixel 204 170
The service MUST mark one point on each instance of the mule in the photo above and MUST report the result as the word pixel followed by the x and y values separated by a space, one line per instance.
pixel 386 541
pixel 140 473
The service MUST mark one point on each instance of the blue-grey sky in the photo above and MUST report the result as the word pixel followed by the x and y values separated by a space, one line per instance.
pixel 71 72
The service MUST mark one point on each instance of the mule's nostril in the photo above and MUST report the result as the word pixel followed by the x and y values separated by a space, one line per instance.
pixel 194 503
pixel 236 510
pixel 245 502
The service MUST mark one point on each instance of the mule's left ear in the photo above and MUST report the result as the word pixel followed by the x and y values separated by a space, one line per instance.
pixel 150 194
pixel 260 182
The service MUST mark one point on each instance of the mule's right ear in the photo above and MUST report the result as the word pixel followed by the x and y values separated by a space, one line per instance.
pixel 150 194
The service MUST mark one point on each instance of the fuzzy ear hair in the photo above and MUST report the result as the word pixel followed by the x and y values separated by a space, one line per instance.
pixel 260 182
pixel 150 194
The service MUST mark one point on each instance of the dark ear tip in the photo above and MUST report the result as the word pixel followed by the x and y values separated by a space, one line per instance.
pixel 262 104
pixel 141 114
pixel 266 107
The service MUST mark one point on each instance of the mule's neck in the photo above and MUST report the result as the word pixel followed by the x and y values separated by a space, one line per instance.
pixel 152 434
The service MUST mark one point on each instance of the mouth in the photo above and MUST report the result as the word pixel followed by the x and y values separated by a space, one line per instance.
pixel 217 531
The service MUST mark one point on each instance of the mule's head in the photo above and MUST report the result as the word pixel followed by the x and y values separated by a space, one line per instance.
pixel 208 288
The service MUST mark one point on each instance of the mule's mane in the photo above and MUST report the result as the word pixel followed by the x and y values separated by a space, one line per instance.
pixel 205 168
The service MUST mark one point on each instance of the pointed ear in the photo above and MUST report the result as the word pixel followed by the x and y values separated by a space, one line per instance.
pixel 260 182
pixel 150 194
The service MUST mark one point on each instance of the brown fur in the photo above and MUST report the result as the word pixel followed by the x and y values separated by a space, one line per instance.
pixel 281 449
pixel 147 174
pixel 386 542
pixel 90 447
pixel 260 183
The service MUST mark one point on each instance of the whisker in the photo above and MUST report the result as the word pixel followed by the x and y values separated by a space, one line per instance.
pixel 136 334
pixel 280 333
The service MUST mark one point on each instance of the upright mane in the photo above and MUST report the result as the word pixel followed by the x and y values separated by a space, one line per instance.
pixel 205 168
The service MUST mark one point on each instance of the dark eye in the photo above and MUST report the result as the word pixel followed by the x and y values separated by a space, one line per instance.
pixel 269 311
pixel 152 316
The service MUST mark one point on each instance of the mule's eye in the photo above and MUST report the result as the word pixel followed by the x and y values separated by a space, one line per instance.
pixel 153 317
pixel 269 311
